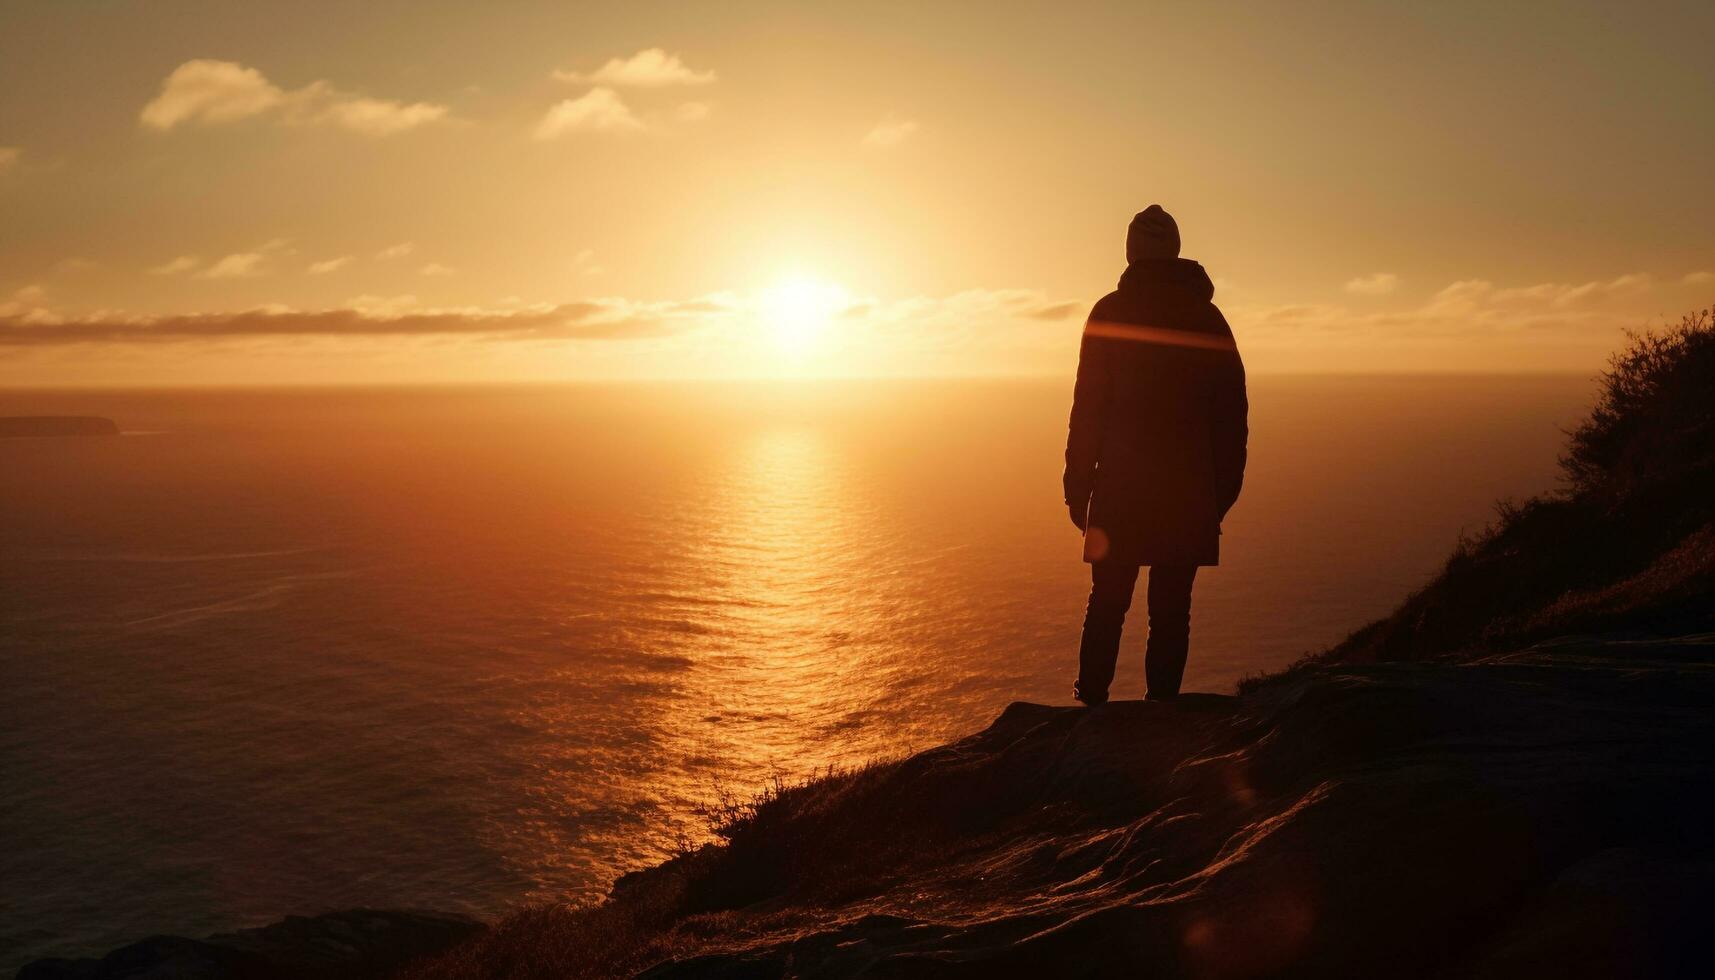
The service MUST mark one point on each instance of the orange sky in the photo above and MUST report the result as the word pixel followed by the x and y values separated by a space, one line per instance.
pixel 196 193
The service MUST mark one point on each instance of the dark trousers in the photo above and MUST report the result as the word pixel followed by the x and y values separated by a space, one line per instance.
pixel 1169 627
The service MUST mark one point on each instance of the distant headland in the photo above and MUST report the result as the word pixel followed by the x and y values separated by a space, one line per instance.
pixel 21 426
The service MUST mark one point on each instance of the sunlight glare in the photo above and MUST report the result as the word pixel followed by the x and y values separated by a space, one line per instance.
pixel 799 310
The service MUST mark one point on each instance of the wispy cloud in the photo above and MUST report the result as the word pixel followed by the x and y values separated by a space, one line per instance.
pixel 1478 294
pixel 436 269
pixel 890 132
pixel 1589 313
pixel 1374 284
pixel 239 265
pixel 366 317
pixel 9 157
pixel 1054 311
pixel 398 251
pixel 211 92
pixel 24 305
pixel 598 110
pixel 649 68
pixel 1698 278
pixel 326 266
pixel 967 316
pixel 177 266
pixel 384 306
pixel 372 117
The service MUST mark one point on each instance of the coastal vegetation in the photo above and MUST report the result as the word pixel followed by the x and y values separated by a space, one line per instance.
pixel 1627 543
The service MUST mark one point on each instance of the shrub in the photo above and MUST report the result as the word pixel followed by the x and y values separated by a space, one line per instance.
pixel 1655 414
pixel 1623 545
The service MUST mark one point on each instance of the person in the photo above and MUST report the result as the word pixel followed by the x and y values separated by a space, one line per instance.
pixel 1155 452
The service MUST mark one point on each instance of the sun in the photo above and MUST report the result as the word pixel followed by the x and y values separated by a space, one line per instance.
pixel 798 310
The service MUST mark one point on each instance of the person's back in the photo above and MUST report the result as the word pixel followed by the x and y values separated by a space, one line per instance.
pixel 1155 454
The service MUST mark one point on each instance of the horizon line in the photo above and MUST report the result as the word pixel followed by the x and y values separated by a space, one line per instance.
pixel 6 390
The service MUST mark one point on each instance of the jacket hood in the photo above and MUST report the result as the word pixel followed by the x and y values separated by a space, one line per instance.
pixel 1175 274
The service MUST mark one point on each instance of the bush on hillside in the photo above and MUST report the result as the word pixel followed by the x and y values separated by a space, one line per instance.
pixel 1655 415
pixel 1626 544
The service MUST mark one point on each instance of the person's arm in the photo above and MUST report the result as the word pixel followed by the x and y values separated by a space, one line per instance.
pixel 1084 433
pixel 1230 430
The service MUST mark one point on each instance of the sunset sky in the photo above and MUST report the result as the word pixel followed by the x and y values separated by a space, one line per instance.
pixel 310 192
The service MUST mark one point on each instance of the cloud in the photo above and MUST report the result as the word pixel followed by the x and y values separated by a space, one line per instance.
pixel 326 266
pixel 9 156
pixel 436 269
pixel 710 305
pixel 1471 294
pixel 76 264
pixel 1590 314
pixel 890 132
pixel 972 317
pixel 374 117
pixel 383 306
pixel 1698 278
pixel 365 317
pixel 1375 284
pixel 1054 311
pixel 598 110
pixel 173 267
pixel 692 111
pixel 649 68
pixel 211 92
pixel 239 265
pixel 24 305
pixel 398 251
pixel 1568 322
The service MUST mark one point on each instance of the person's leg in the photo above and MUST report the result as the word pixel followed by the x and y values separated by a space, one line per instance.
pixel 1111 586
pixel 1169 629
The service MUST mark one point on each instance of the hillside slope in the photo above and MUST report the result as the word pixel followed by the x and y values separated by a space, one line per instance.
pixel 1627 544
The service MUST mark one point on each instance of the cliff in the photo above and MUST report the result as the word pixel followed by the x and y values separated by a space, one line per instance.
pixel 1540 812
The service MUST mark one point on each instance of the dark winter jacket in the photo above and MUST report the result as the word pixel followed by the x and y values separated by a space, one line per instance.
pixel 1158 430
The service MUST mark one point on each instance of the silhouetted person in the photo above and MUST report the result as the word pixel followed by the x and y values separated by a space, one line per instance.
pixel 1156 451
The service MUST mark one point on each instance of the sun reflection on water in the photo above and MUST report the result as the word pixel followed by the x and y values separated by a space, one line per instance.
pixel 779 662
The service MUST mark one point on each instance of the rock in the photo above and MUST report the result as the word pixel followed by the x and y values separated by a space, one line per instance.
pixel 352 943
pixel 1544 812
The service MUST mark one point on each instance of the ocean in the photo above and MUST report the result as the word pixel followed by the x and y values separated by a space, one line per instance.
pixel 285 651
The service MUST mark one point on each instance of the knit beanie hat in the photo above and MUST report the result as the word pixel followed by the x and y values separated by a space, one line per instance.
pixel 1153 235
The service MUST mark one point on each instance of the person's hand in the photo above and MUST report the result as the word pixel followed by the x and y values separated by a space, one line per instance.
pixel 1080 514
